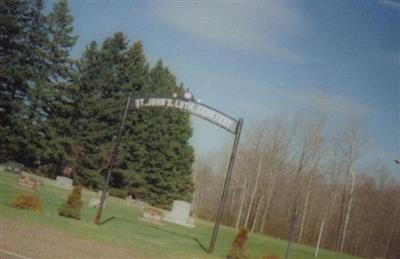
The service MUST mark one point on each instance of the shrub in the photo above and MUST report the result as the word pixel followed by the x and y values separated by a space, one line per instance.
pixel 270 257
pixel 238 249
pixel 71 208
pixel 121 193
pixel 23 201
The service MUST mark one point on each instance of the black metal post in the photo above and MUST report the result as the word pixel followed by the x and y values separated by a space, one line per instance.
pixel 112 160
pixel 292 230
pixel 226 186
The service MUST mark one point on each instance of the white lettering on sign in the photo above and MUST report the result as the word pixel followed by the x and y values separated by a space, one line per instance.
pixel 191 107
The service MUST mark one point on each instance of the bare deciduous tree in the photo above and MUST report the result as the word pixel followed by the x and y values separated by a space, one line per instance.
pixel 306 162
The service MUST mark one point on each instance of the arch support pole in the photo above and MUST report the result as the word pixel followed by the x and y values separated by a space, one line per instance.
pixel 226 186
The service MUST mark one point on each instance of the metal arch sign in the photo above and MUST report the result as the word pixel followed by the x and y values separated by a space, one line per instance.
pixel 188 105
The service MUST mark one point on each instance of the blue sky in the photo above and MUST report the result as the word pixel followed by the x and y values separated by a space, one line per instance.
pixel 256 59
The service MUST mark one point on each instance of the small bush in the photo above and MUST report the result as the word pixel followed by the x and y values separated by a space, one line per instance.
pixel 270 257
pixel 238 249
pixel 121 193
pixel 23 201
pixel 71 208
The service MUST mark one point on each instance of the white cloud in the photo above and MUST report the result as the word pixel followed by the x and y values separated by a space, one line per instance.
pixel 262 28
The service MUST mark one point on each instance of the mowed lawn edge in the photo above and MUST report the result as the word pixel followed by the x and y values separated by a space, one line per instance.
pixel 121 227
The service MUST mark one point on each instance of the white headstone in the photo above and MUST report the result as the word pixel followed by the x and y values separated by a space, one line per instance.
pixel 64 182
pixel 94 202
pixel 180 214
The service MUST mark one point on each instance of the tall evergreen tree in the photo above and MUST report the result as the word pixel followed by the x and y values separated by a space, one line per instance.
pixel 59 25
pixel 154 161
pixel 133 153
pixel 168 166
pixel 22 67
pixel 38 41
pixel 57 103
pixel 13 74
pixel 101 103
pixel 54 113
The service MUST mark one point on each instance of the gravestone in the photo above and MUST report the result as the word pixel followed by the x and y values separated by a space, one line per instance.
pixel 27 183
pixel 153 215
pixel 180 214
pixel 130 202
pixel 95 201
pixel 64 182
pixel 14 167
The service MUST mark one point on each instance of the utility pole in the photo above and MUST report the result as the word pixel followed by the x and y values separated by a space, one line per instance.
pixel 112 160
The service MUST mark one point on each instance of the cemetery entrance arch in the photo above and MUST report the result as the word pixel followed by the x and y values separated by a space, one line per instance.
pixel 186 103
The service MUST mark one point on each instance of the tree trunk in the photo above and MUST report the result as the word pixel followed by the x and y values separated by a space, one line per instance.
pixel 267 205
pixel 392 229
pixel 305 207
pixel 253 194
pixel 321 230
pixel 233 201
pixel 346 221
pixel 257 212
pixel 243 196
pixel 339 225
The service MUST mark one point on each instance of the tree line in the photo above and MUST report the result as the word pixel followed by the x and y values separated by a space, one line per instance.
pixel 304 170
pixel 57 111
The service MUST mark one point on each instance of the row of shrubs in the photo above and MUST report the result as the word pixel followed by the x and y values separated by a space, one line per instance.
pixel 71 208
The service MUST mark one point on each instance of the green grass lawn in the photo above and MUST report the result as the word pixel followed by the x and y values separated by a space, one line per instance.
pixel 120 226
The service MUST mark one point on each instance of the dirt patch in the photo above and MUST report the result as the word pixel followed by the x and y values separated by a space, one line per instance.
pixel 40 242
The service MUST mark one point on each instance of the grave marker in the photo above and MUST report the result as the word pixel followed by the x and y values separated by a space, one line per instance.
pixel 64 182
pixel 95 201
pixel 153 215
pixel 14 167
pixel 180 214
pixel 27 183
pixel 130 202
